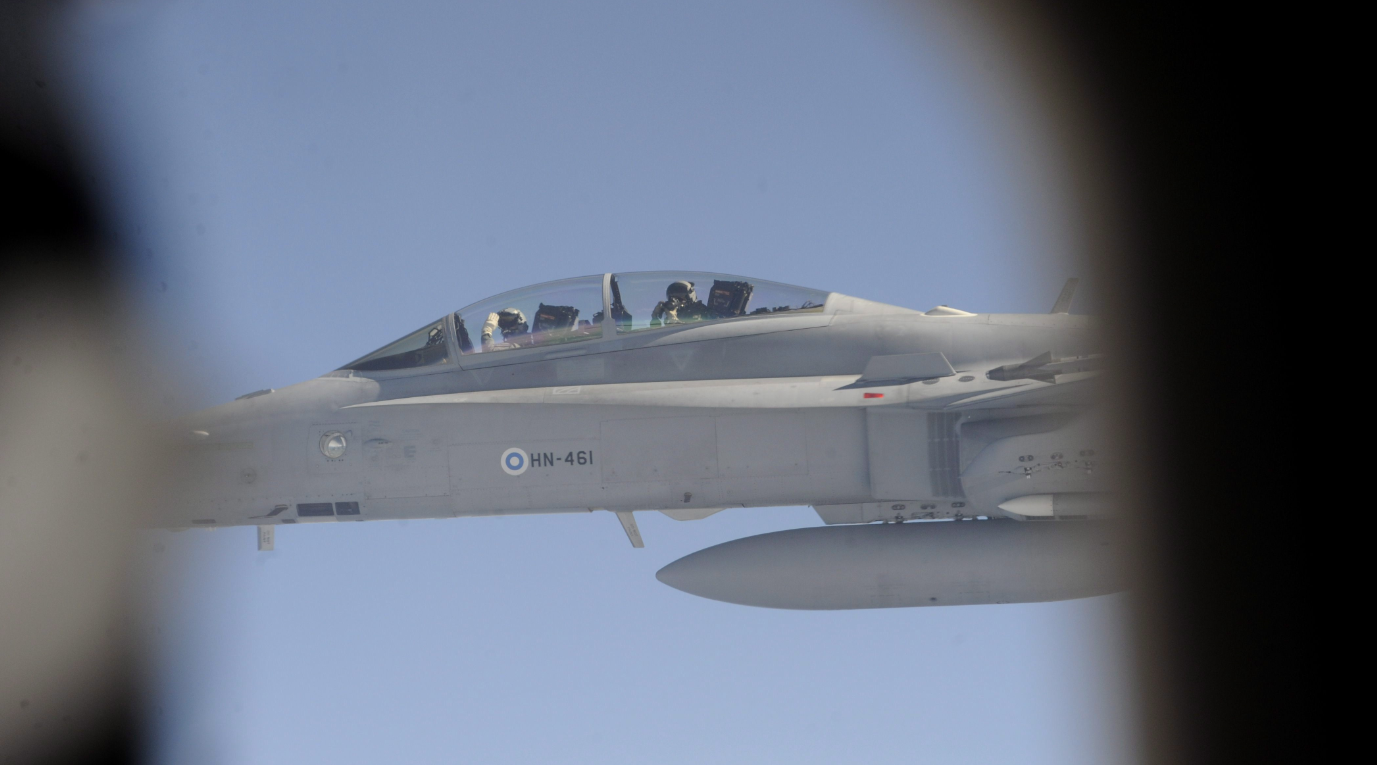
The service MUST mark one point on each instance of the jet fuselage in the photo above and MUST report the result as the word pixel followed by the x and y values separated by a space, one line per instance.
pixel 756 411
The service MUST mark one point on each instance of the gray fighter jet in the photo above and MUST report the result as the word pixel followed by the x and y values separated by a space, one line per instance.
pixel 955 457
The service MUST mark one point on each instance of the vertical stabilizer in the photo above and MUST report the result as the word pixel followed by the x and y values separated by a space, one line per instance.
pixel 1068 292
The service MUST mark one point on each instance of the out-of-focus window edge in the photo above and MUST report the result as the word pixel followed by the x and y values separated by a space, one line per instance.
pixel 1148 114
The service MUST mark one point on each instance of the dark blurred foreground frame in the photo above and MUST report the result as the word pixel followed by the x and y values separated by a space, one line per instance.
pixel 1161 109
pixel 73 456
pixel 1181 90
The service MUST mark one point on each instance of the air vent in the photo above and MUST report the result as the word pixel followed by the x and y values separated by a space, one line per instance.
pixel 944 455
pixel 314 509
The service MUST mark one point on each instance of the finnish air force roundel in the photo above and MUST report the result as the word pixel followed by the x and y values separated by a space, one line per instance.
pixel 515 461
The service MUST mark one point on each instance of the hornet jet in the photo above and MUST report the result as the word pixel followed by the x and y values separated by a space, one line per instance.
pixel 955 457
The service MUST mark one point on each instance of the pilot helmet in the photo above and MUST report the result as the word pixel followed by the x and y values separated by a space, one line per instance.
pixel 511 321
pixel 681 290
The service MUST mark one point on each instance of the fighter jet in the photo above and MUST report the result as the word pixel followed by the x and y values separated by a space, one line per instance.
pixel 955 457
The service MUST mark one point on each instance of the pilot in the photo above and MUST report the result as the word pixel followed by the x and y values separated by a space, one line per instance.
pixel 680 305
pixel 512 324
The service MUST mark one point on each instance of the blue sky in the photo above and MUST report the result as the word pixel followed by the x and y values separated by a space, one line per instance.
pixel 301 182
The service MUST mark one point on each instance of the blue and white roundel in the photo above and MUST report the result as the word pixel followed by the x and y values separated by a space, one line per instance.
pixel 515 461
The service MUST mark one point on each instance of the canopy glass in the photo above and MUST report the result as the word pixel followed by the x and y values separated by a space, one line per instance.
pixel 572 311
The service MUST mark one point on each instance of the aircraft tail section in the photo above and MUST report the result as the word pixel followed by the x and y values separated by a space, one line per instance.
pixel 1068 292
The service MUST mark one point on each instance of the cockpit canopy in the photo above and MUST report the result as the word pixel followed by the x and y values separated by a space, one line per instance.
pixel 566 311
pixel 573 310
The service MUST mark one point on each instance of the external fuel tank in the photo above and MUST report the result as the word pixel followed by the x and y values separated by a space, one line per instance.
pixel 892 565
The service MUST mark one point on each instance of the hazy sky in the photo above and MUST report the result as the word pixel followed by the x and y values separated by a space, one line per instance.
pixel 302 182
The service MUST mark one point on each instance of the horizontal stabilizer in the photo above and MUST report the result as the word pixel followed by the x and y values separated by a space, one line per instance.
pixel 1068 292
pixel 903 369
